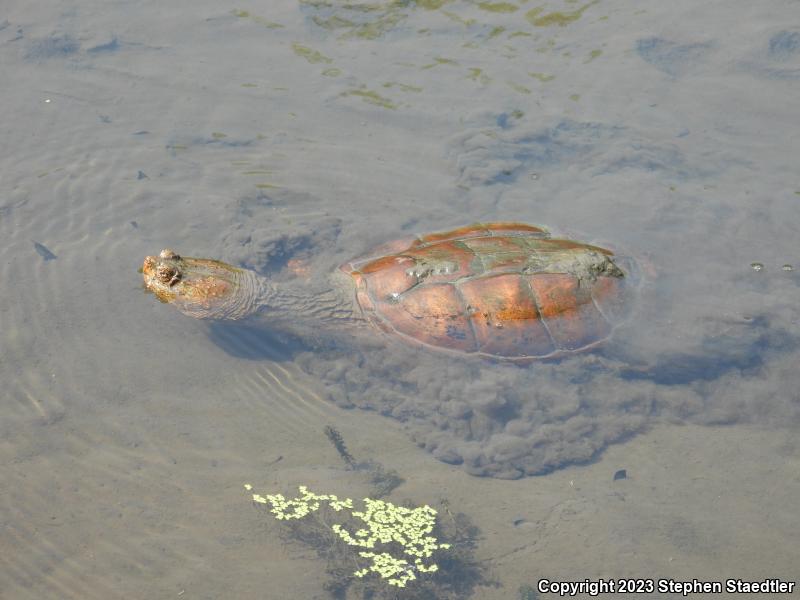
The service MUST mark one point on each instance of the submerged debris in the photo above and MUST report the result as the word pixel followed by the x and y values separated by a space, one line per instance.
pixel 383 480
pixel 44 251
pixel 336 439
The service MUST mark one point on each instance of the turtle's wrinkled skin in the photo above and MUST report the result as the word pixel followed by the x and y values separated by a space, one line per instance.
pixel 201 287
pixel 501 290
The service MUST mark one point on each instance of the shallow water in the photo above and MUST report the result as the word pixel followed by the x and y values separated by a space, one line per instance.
pixel 314 131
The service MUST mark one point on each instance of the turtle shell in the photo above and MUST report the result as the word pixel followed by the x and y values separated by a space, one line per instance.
pixel 504 290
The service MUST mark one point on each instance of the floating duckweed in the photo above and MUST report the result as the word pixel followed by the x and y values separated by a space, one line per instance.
pixel 266 186
pixel 404 535
pixel 575 97
pixel 757 266
pixel 519 34
pixel 555 18
pixel 218 136
pixel 309 54
pixel 332 72
pixel 498 7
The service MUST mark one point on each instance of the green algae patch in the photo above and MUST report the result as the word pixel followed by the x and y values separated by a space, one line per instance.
pixel 592 55
pixel 218 136
pixel 458 18
pixel 498 7
pixel 495 32
pixel 575 97
pixel 432 4
pixel 258 172
pixel 358 27
pixel 543 77
pixel 519 34
pixel 332 72
pixel 476 74
pixel 561 19
pixel 310 54
pixel 243 14
pixel 266 23
pixel 439 61
pixel 402 86
pixel 266 186
pixel 374 30
pixel 334 22
pixel 518 88
pixel 372 98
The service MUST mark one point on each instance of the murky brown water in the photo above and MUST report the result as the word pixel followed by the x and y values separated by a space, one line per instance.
pixel 311 130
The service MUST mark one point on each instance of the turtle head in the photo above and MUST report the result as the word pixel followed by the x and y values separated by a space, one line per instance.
pixel 201 287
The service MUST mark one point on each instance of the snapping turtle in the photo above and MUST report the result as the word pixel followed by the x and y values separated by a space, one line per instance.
pixel 506 291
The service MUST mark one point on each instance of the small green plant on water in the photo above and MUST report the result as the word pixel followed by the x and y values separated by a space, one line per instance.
pixel 385 551
pixel 403 534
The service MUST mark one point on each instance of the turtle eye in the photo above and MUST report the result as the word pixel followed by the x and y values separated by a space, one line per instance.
pixel 167 274
pixel 167 254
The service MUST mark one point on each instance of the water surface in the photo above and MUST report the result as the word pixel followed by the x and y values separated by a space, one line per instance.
pixel 313 131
